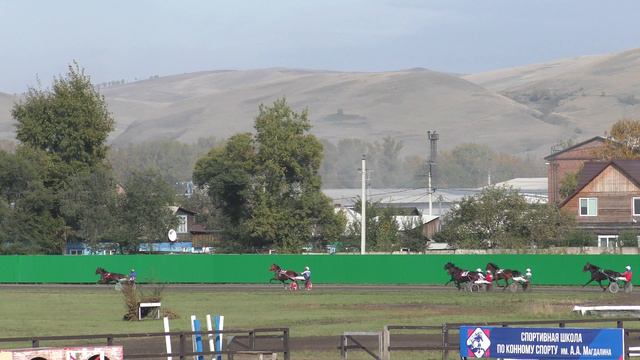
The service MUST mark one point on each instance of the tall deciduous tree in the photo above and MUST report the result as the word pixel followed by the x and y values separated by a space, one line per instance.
pixel 267 184
pixel 67 127
pixel 624 142
pixel 71 121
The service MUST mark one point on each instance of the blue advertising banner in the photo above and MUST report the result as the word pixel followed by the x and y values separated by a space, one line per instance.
pixel 541 343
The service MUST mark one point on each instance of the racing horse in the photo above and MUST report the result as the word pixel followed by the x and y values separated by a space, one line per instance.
pixel 283 275
pixel 109 277
pixel 597 274
pixel 459 276
pixel 502 274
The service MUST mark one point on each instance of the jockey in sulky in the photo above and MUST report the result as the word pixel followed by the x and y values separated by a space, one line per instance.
pixel 481 278
pixel 306 274
pixel 489 278
pixel 627 275
pixel 132 276
pixel 523 278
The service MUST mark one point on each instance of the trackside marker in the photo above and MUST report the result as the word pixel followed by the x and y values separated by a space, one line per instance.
pixel 167 338
pixel 210 335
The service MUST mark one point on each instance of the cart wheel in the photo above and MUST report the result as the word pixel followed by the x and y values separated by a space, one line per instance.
pixel 118 286
pixel 527 288
pixel 628 287
pixel 474 288
pixel 614 287
pixel 513 287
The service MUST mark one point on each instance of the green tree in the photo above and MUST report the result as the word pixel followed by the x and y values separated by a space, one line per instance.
pixel 499 217
pixel 71 121
pixel 623 141
pixel 267 185
pixel 569 183
pixel 383 233
pixel 64 130
pixel 412 237
pixel 386 232
pixel 90 205
pixel 145 214
pixel 28 226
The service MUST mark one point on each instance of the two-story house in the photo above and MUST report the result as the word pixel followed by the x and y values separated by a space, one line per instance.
pixel 560 162
pixel 188 230
pixel 606 201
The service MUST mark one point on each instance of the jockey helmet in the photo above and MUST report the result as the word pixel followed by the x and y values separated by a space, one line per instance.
pixel 306 268
pixel 628 268
pixel 479 270
pixel 528 270
pixel 489 271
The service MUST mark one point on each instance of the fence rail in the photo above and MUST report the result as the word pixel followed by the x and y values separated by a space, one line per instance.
pixel 446 345
pixel 183 351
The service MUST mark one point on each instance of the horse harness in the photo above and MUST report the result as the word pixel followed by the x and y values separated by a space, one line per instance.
pixel 284 273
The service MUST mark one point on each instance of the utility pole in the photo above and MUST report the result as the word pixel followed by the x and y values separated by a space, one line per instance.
pixel 433 153
pixel 363 206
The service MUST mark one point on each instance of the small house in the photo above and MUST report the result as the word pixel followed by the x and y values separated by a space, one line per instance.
pixel 606 201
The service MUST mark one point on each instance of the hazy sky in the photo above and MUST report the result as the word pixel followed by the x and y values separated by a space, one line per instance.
pixel 129 39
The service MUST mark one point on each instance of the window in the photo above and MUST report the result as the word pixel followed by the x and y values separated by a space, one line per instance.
pixel 182 224
pixel 607 241
pixel 636 206
pixel 588 206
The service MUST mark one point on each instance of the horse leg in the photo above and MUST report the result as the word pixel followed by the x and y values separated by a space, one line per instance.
pixel 604 288
pixel 587 283
pixel 506 283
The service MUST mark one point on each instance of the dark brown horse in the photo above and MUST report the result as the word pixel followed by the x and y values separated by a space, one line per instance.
pixel 109 277
pixel 282 275
pixel 502 274
pixel 598 275
pixel 459 276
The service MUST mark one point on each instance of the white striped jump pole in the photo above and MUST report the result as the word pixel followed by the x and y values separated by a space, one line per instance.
pixel 167 338
pixel 210 331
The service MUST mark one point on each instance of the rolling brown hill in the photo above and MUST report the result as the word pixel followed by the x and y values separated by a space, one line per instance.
pixel 586 94
pixel 368 106
pixel 519 110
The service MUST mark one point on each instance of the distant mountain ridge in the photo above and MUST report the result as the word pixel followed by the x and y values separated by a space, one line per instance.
pixel 522 110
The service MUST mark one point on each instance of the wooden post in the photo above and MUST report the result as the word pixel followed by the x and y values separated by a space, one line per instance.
pixel 183 342
pixel 445 342
pixel 386 342
pixel 285 342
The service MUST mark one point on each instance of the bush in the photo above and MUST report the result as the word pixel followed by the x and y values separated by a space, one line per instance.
pixel 134 295
pixel 580 238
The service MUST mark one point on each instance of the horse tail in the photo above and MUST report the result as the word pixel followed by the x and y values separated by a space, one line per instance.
pixel 515 273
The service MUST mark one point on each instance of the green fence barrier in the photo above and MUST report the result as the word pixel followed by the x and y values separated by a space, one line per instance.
pixel 327 269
